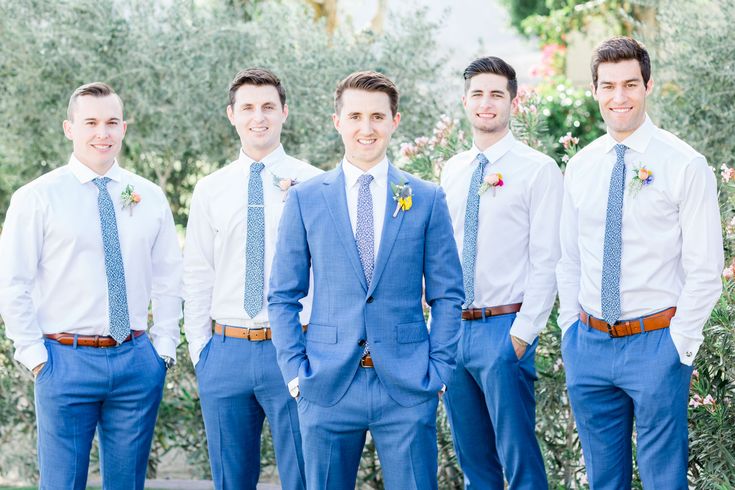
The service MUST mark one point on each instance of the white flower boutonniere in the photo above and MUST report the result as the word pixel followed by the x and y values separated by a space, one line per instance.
pixel 284 184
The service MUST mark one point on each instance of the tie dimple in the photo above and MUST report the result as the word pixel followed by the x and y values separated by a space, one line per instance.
pixel 255 242
pixel 469 248
pixel 613 248
pixel 364 231
pixel 114 269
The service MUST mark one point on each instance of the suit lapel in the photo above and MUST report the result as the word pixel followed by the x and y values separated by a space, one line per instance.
pixel 336 202
pixel 391 226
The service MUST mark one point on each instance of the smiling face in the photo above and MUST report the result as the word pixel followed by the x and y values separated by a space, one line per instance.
pixel 487 103
pixel 366 123
pixel 96 129
pixel 258 117
pixel 621 95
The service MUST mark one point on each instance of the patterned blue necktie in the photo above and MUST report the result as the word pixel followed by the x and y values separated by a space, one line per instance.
pixel 610 289
pixel 116 294
pixel 255 243
pixel 364 231
pixel 469 248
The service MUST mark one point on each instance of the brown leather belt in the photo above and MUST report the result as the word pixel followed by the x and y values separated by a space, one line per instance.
pixel 366 361
pixel 251 334
pixel 101 341
pixel 657 321
pixel 477 313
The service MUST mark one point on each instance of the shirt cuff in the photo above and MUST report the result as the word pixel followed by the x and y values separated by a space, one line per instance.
pixel 293 387
pixel 686 348
pixel 525 331
pixel 165 347
pixel 32 355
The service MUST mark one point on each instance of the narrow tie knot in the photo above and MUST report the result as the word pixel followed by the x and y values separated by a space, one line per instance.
pixel 365 180
pixel 620 150
pixel 101 182
pixel 482 159
pixel 256 167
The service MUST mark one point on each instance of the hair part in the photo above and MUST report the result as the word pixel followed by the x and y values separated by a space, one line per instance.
pixel 369 81
pixel 94 89
pixel 258 77
pixel 494 65
pixel 617 49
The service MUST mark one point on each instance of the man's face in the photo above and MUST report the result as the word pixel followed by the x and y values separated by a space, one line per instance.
pixel 487 103
pixel 621 95
pixel 96 130
pixel 258 117
pixel 366 124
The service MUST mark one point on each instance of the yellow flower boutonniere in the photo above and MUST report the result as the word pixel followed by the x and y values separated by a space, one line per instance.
pixel 403 196
pixel 129 198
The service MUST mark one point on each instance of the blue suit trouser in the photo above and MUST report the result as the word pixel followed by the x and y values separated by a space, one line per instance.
pixel 115 391
pixel 492 408
pixel 611 382
pixel 240 385
pixel 405 437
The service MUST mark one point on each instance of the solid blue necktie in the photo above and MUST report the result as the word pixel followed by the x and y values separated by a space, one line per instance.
pixel 116 294
pixel 255 243
pixel 469 248
pixel 612 252
pixel 364 231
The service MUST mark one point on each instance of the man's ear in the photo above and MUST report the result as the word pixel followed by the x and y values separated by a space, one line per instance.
pixel 230 114
pixel 67 129
pixel 594 91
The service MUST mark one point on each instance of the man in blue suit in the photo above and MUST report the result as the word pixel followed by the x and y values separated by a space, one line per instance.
pixel 373 237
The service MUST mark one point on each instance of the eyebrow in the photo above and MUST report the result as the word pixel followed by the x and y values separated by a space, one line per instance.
pixel 607 82
pixel 92 119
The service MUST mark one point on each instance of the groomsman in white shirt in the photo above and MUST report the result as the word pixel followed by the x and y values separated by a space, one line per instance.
pixel 504 199
pixel 85 249
pixel 230 242
pixel 638 277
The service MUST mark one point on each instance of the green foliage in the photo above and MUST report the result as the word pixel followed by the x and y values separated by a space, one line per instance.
pixel 522 9
pixel 171 63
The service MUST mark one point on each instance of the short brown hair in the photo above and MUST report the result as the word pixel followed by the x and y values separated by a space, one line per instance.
pixel 370 81
pixel 496 66
pixel 257 77
pixel 95 89
pixel 618 49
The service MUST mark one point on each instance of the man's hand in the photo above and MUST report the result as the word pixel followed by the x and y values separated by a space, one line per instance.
pixel 37 369
pixel 519 346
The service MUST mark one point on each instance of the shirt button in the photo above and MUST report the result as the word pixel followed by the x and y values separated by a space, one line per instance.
pixel 688 354
pixel 361 342
pixel 370 299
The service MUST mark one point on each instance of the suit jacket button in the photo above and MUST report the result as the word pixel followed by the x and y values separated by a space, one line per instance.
pixel 370 299
pixel 361 342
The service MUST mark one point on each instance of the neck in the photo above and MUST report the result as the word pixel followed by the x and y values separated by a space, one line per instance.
pixel 484 139
pixel 363 165
pixel 258 154
pixel 100 169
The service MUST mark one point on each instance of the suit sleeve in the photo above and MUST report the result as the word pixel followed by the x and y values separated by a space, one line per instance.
pixel 289 283
pixel 444 290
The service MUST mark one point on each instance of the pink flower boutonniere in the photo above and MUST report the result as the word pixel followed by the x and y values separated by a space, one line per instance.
pixel 641 178
pixel 129 198
pixel 491 180
pixel 284 184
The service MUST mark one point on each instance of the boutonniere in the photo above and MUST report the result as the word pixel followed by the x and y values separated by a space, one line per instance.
pixel 403 196
pixel 284 184
pixel 129 198
pixel 491 180
pixel 641 178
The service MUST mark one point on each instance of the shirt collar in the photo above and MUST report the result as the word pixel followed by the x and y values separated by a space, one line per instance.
pixel 496 151
pixel 637 141
pixel 268 161
pixel 352 173
pixel 85 174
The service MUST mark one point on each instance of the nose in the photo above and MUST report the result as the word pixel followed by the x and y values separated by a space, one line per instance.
pixel 366 126
pixel 619 94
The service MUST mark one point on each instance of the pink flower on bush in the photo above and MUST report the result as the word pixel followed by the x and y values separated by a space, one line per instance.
pixel 695 401
pixel 568 141
pixel 728 273
pixel 727 173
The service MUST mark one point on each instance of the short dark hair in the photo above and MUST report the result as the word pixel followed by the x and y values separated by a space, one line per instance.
pixel 95 89
pixel 257 77
pixel 496 66
pixel 618 49
pixel 370 81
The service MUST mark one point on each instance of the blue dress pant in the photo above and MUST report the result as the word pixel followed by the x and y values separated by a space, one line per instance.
pixel 492 409
pixel 115 391
pixel 405 437
pixel 613 382
pixel 240 385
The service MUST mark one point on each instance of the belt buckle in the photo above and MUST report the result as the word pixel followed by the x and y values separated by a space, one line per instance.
pixel 260 332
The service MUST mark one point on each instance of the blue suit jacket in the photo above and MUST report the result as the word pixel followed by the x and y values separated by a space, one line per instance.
pixel 417 248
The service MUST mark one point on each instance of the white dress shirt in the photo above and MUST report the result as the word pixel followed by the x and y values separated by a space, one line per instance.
pixel 52 262
pixel 672 238
pixel 214 255
pixel 517 239
pixel 378 191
